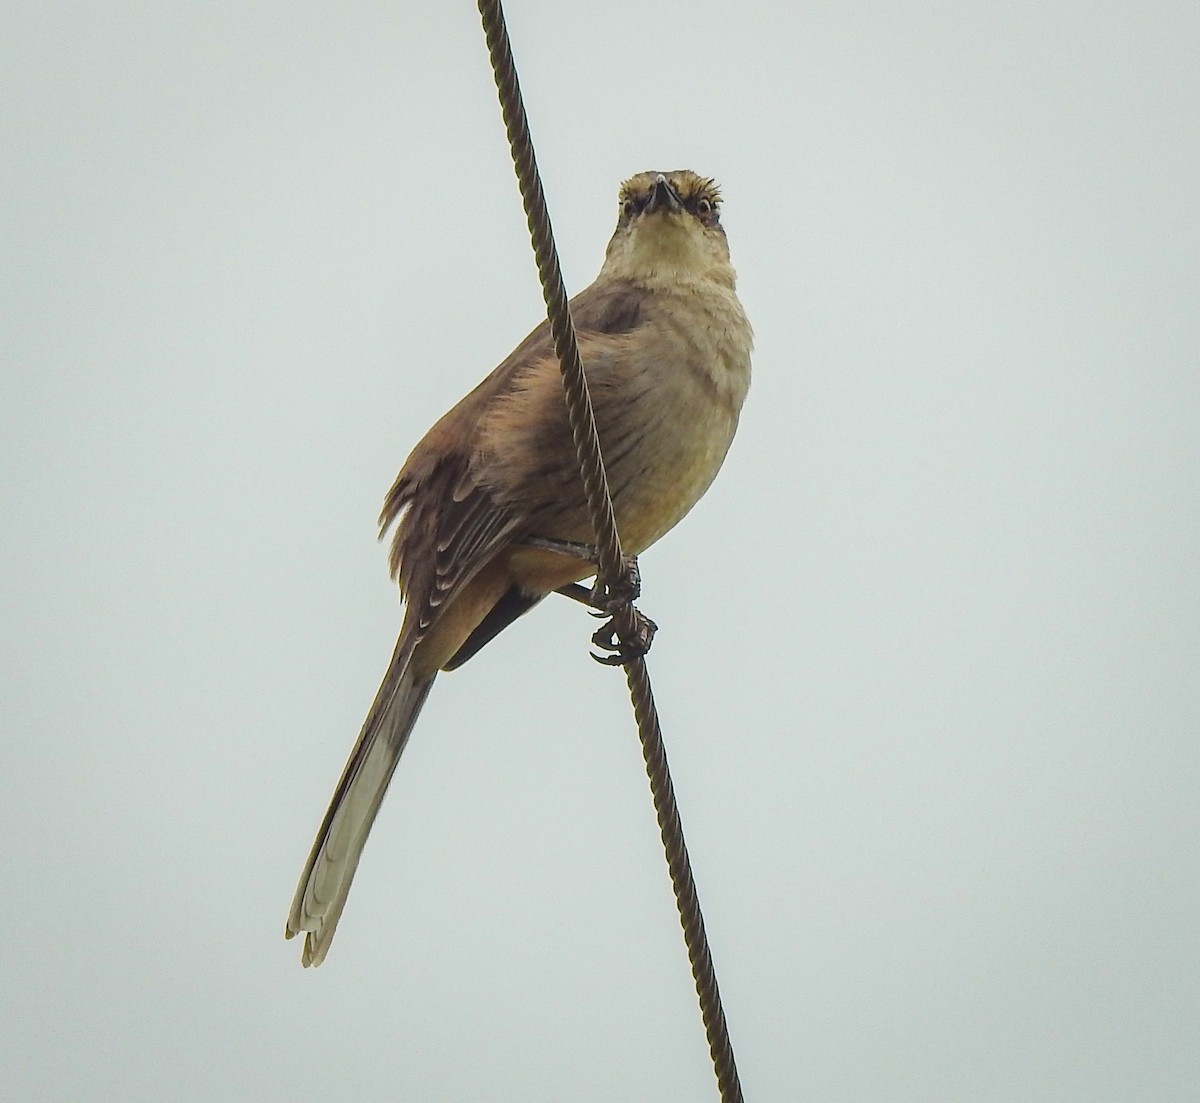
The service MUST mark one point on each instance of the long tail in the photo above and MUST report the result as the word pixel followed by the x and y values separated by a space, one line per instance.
pixel 325 882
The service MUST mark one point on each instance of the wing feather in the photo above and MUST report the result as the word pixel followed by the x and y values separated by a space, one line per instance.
pixel 446 522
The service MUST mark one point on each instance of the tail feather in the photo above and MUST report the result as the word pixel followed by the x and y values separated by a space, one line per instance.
pixel 325 882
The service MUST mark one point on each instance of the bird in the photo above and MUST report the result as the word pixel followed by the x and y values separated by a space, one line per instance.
pixel 488 513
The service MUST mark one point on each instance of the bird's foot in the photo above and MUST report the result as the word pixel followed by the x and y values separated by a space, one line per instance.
pixel 624 642
pixel 624 590
pixel 628 633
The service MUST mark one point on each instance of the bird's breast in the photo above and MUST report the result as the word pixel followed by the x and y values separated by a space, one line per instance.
pixel 666 396
pixel 665 432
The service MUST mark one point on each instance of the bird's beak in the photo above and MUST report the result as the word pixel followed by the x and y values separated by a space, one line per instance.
pixel 664 197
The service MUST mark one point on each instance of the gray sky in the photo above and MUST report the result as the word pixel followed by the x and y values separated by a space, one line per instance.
pixel 928 652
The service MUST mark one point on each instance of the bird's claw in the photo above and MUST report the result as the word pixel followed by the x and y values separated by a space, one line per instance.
pixel 624 590
pixel 624 646
pixel 626 633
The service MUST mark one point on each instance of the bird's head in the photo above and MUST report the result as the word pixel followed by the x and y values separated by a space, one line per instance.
pixel 669 227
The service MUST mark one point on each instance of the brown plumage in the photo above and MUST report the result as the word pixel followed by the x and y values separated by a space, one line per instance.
pixel 666 348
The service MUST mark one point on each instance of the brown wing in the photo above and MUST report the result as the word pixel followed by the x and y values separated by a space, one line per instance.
pixel 448 524
pixel 447 528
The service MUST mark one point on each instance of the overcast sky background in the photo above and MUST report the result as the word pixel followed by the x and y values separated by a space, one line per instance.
pixel 928 654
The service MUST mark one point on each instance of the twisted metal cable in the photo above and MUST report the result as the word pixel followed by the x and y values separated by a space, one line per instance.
pixel 595 483
pixel 687 900
pixel 562 327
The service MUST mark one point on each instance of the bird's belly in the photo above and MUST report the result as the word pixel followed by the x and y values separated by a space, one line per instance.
pixel 657 483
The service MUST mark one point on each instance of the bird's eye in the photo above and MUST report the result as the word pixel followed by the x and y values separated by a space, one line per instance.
pixel 703 208
pixel 628 207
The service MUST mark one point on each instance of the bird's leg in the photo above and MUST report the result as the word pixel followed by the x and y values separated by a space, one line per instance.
pixel 576 591
pixel 627 587
pixel 628 633
pixel 577 549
